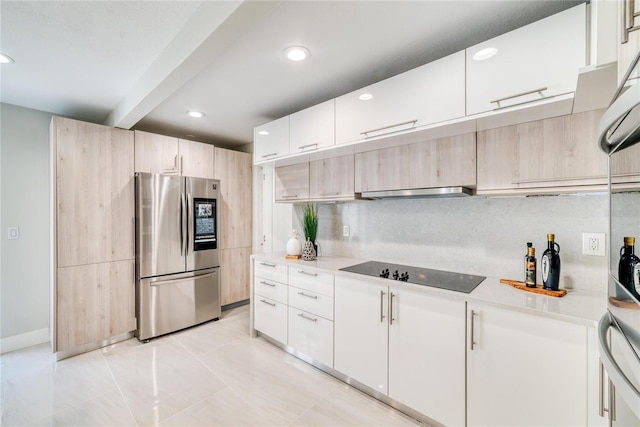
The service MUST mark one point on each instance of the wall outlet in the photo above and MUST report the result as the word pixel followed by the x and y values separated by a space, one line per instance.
pixel 345 231
pixel 593 244
pixel 13 233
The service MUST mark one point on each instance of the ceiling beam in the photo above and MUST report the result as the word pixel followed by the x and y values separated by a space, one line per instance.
pixel 210 30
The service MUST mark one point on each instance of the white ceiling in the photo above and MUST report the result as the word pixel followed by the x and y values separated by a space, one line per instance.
pixel 143 64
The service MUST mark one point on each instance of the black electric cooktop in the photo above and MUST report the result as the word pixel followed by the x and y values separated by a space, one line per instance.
pixel 420 276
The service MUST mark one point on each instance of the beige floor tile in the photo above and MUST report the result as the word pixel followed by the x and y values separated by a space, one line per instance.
pixel 107 410
pixel 345 406
pixel 52 387
pixel 207 337
pixel 160 379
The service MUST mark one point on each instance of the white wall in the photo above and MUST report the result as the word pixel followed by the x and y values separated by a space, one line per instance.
pixel 24 203
pixel 475 235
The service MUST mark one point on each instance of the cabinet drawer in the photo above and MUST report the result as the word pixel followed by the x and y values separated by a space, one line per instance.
pixel 312 302
pixel 311 335
pixel 271 271
pixel 270 289
pixel 312 280
pixel 270 318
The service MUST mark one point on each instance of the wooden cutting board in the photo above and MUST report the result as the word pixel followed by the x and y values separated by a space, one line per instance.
pixel 538 289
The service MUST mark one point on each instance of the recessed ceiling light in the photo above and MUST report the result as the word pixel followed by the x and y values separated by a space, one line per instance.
pixel 297 53
pixel 365 97
pixel 196 114
pixel 5 59
pixel 263 132
pixel 483 54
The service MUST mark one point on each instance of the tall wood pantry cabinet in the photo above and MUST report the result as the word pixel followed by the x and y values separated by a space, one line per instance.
pixel 93 233
pixel 233 169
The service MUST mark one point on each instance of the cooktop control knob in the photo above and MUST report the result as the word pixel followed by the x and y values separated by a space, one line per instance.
pixel 395 275
pixel 404 277
pixel 384 273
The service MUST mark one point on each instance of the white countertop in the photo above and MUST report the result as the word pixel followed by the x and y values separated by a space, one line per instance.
pixel 581 307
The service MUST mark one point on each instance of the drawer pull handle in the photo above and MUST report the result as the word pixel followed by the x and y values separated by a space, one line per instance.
pixel 267 302
pixel 308 318
pixel 307 295
pixel 302 147
pixel 268 284
pixel 269 155
pixel 295 196
pixel 308 274
pixel 266 264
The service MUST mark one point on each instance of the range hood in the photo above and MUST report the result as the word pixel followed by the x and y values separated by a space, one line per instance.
pixel 620 124
pixel 418 193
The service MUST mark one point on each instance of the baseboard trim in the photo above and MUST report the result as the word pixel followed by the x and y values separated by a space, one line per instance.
pixel 235 304
pixel 18 342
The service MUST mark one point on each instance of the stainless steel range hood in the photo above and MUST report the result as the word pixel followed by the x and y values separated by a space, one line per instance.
pixel 418 193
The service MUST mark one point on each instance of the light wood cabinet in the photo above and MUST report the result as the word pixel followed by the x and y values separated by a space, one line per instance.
pixel 93 269
pixel 164 154
pixel 291 183
pixel 545 154
pixel 94 302
pixel 436 163
pixel 94 193
pixel 312 128
pixel 332 178
pixel 625 168
pixel 533 62
pixel 271 140
pixel 234 275
pixel 516 356
pixel 197 159
pixel 234 170
pixel 428 94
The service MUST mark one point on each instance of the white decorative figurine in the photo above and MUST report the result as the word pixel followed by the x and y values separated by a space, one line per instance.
pixel 294 247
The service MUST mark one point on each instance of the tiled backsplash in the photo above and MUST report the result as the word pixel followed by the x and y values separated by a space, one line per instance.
pixel 475 235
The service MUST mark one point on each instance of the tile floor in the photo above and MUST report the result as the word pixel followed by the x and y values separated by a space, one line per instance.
pixel 210 375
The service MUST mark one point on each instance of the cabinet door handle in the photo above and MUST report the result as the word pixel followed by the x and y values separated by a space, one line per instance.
pixel 612 402
pixel 269 155
pixel 517 95
pixel 410 122
pixel 303 147
pixel 268 284
pixel 391 319
pixel 268 303
pixel 308 274
pixel 601 408
pixel 295 196
pixel 382 293
pixel 266 264
pixel 308 318
pixel 330 194
pixel 472 341
pixel 307 295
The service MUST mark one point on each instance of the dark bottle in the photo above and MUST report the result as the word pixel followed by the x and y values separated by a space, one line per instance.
pixel 629 269
pixel 530 266
pixel 551 264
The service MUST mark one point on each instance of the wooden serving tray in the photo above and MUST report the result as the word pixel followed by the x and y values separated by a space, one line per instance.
pixel 538 289
pixel 623 304
pixel 293 256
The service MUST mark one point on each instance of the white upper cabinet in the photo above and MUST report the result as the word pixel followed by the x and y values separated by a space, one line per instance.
pixel 271 140
pixel 537 61
pixel 312 128
pixel 428 94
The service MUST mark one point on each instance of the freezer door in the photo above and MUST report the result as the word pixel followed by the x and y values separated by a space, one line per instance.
pixel 203 223
pixel 170 303
pixel 160 214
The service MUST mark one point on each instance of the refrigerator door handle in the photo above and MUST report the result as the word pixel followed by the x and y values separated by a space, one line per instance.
pixel 183 225
pixel 190 216
pixel 172 281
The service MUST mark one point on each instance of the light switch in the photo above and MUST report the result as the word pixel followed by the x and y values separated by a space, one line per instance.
pixel 13 233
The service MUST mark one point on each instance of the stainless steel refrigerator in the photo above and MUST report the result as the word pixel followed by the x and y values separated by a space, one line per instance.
pixel 619 328
pixel 177 258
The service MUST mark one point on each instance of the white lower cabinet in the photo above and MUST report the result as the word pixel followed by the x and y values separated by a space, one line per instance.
pixel 524 370
pixel 311 335
pixel 270 318
pixel 426 355
pixel 405 344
